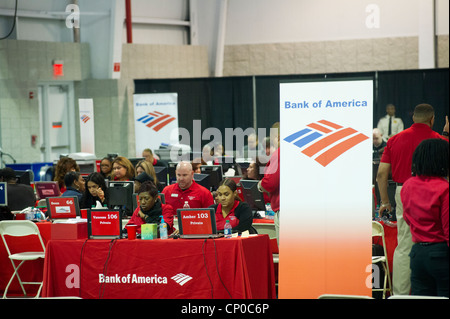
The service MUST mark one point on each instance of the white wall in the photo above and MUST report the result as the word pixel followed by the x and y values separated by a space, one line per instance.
pixel 275 21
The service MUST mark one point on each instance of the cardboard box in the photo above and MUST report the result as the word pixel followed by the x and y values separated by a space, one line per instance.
pixel 69 231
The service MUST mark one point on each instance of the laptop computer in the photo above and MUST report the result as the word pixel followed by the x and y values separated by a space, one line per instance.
pixel 197 223
pixel 104 223
pixel 63 207
pixel 47 189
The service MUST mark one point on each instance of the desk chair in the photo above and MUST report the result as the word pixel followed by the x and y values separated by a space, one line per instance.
pixel 378 230
pixel 21 228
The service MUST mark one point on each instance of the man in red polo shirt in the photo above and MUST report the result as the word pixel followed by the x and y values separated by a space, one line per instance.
pixel 397 159
pixel 187 190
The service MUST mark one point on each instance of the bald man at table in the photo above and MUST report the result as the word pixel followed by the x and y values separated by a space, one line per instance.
pixel 187 190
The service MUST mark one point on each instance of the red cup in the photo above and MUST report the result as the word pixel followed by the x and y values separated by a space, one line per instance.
pixel 131 230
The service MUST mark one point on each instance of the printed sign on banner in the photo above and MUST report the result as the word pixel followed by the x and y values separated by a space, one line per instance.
pixel 87 131
pixel 325 187
pixel 156 120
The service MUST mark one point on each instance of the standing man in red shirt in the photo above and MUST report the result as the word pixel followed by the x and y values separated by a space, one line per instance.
pixel 270 183
pixel 187 190
pixel 397 159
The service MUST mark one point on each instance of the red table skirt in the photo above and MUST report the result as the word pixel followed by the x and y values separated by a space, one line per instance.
pixel 173 268
pixel 390 237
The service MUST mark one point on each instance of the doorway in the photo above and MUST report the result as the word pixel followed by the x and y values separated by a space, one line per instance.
pixel 57 119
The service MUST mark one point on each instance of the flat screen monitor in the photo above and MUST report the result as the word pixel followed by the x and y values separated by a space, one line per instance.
pixel 243 166
pixel 252 195
pixel 202 179
pixel 3 194
pixel 171 170
pixel 161 174
pixel 135 160
pixel 63 207
pixel 47 189
pixel 215 175
pixel 24 177
pixel 121 196
pixel 227 162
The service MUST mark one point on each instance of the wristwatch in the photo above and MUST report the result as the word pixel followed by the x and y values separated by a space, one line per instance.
pixel 445 133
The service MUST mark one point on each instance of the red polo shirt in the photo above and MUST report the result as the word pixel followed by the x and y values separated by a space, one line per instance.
pixel 196 195
pixel 425 208
pixel 271 180
pixel 400 148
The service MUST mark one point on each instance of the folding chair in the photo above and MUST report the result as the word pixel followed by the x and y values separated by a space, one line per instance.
pixel 378 230
pixel 21 228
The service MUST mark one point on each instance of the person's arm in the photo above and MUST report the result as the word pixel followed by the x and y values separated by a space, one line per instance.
pixel 382 180
pixel 245 216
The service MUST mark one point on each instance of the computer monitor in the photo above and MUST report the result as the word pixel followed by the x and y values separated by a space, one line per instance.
pixel 202 179
pixel 252 195
pixel 24 177
pixel 171 170
pixel 47 189
pixel 121 196
pixel 135 160
pixel 161 174
pixel 215 175
pixel 228 162
pixel 243 166
pixel 3 194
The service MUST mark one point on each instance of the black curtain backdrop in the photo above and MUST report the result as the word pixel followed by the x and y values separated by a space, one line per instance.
pixel 228 102
pixel 406 89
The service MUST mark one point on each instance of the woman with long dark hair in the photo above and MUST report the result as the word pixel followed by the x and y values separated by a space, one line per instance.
pixel 96 190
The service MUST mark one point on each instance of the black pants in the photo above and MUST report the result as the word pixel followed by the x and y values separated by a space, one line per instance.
pixel 429 269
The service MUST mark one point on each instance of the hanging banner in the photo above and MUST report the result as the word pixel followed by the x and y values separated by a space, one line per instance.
pixel 325 188
pixel 87 132
pixel 156 120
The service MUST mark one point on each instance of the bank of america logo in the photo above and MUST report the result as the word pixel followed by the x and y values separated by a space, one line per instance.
pixel 181 279
pixel 325 141
pixel 156 120
pixel 85 118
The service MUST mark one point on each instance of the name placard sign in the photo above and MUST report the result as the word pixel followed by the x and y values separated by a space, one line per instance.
pixel 104 223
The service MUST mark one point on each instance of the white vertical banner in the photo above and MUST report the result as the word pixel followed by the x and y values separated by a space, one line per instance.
pixel 325 188
pixel 87 132
pixel 156 120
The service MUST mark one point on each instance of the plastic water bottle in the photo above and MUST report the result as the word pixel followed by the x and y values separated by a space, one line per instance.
pixel 227 229
pixel 186 205
pixel 163 229
pixel 270 214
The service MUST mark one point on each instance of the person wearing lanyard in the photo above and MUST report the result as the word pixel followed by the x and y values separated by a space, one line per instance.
pixel 187 190
pixel 397 159
pixel 425 210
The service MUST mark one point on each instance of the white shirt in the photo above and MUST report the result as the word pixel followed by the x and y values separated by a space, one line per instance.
pixel 383 126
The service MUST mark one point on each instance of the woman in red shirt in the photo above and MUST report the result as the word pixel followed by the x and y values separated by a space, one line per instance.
pixel 230 207
pixel 425 198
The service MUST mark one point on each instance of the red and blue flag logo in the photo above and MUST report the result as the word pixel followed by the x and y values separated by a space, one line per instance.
pixel 325 141
pixel 156 120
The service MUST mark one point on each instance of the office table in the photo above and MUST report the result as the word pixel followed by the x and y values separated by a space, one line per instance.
pixel 222 268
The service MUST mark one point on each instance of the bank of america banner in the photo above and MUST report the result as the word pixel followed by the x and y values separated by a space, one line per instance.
pixel 325 188
pixel 87 131
pixel 156 120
